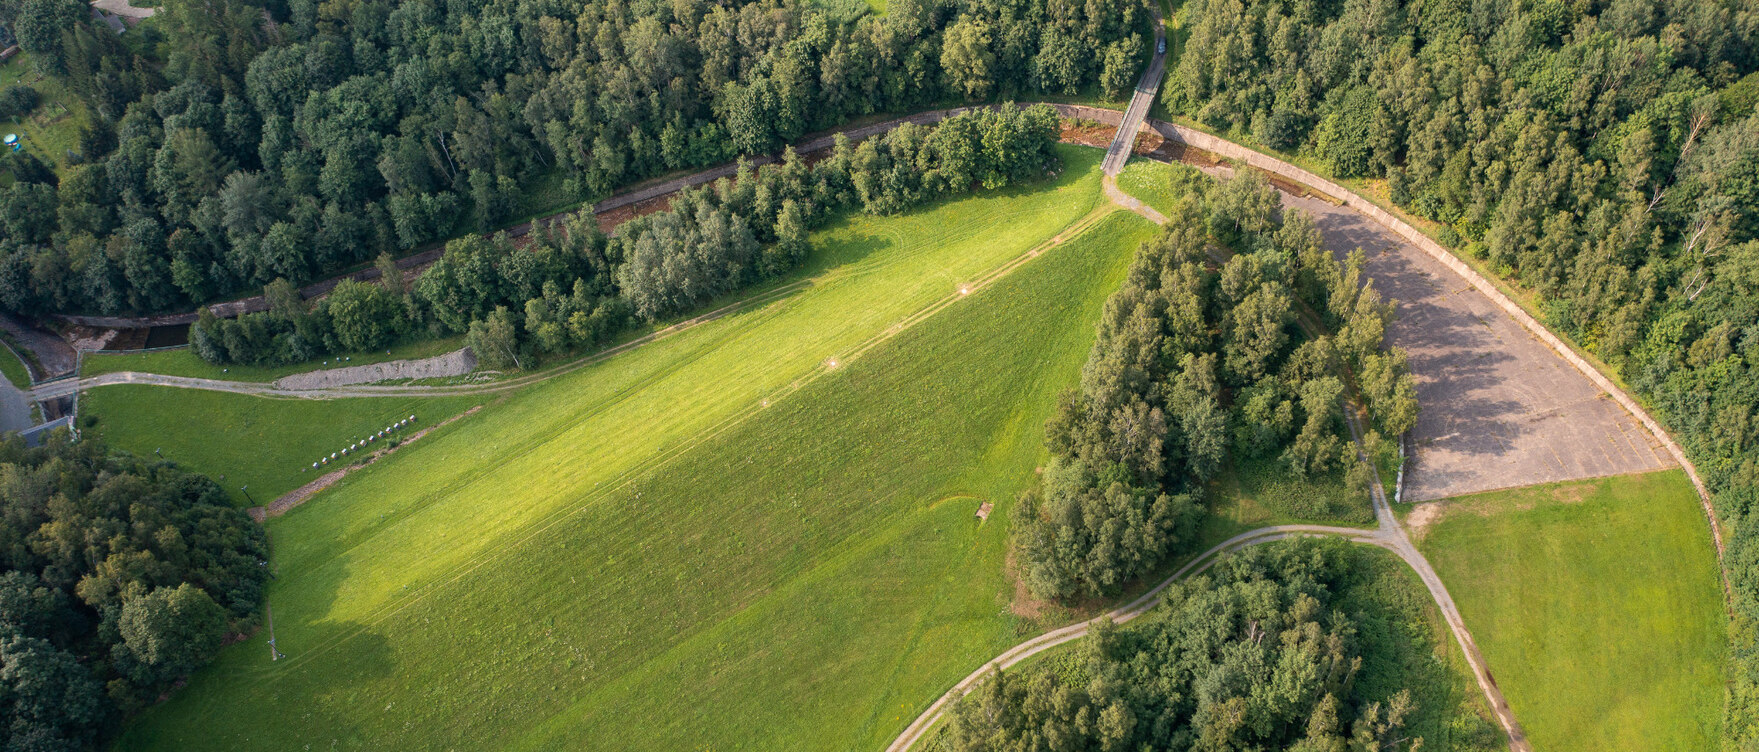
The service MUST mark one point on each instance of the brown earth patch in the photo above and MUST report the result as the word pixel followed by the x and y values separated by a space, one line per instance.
pixel 1422 516
pixel 1087 133
pixel 609 220
pixel 1176 151
pixel 1147 142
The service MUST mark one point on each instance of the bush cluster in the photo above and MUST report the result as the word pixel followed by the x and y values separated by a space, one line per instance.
pixel 571 287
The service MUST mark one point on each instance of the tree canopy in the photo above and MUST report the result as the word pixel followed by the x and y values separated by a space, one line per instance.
pixel 1196 360
pixel 1256 653
pixel 118 577
pixel 567 286
pixel 1605 155
pixel 236 142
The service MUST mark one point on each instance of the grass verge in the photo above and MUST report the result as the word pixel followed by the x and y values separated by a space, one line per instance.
pixel 14 369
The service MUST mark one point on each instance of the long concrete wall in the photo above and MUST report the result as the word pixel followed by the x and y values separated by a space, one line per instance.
pixel 1209 143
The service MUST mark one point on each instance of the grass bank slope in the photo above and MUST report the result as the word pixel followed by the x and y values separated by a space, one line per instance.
pixel 1597 605
pixel 720 540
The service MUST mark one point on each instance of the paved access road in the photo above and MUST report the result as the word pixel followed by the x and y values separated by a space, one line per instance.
pixel 1125 139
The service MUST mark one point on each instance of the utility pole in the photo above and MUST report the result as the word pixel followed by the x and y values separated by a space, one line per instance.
pixel 274 654
pixel 246 490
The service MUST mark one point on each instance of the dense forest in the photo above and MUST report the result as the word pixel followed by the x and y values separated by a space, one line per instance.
pixel 571 287
pixel 1258 653
pixel 1197 361
pixel 118 577
pixel 1605 155
pixel 234 143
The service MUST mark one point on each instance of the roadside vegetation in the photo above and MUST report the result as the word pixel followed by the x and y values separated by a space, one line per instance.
pixel 1356 651
pixel 183 361
pixel 14 369
pixel 1597 603
pixel 422 600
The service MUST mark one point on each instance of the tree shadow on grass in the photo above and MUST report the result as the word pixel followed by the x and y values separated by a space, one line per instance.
pixel 203 714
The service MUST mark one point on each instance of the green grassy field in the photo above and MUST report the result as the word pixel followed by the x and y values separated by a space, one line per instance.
pixel 1406 644
pixel 721 533
pixel 1597 605
pixel 239 440
pixel 1149 182
pixel 184 362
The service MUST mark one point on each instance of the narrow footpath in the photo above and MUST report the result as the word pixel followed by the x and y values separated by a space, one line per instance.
pixel 1389 535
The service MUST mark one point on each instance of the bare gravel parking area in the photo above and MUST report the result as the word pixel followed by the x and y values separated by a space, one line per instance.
pixel 1500 408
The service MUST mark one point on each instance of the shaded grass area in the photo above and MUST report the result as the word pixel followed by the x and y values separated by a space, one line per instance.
pixel 241 440
pixel 51 129
pixel 14 369
pixel 718 533
pixel 1598 606
pixel 183 361
pixel 1324 498
pixel 1406 644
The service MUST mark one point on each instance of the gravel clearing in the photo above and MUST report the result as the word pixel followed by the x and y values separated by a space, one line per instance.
pixel 455 363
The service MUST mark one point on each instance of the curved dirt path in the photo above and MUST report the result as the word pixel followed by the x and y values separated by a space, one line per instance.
pixel 1389 534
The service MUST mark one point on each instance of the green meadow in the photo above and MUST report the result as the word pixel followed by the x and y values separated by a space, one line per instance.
pixel 52 128
pixel 761 528
pixel 242 441
pixel 1151 183
pixel 1598 606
